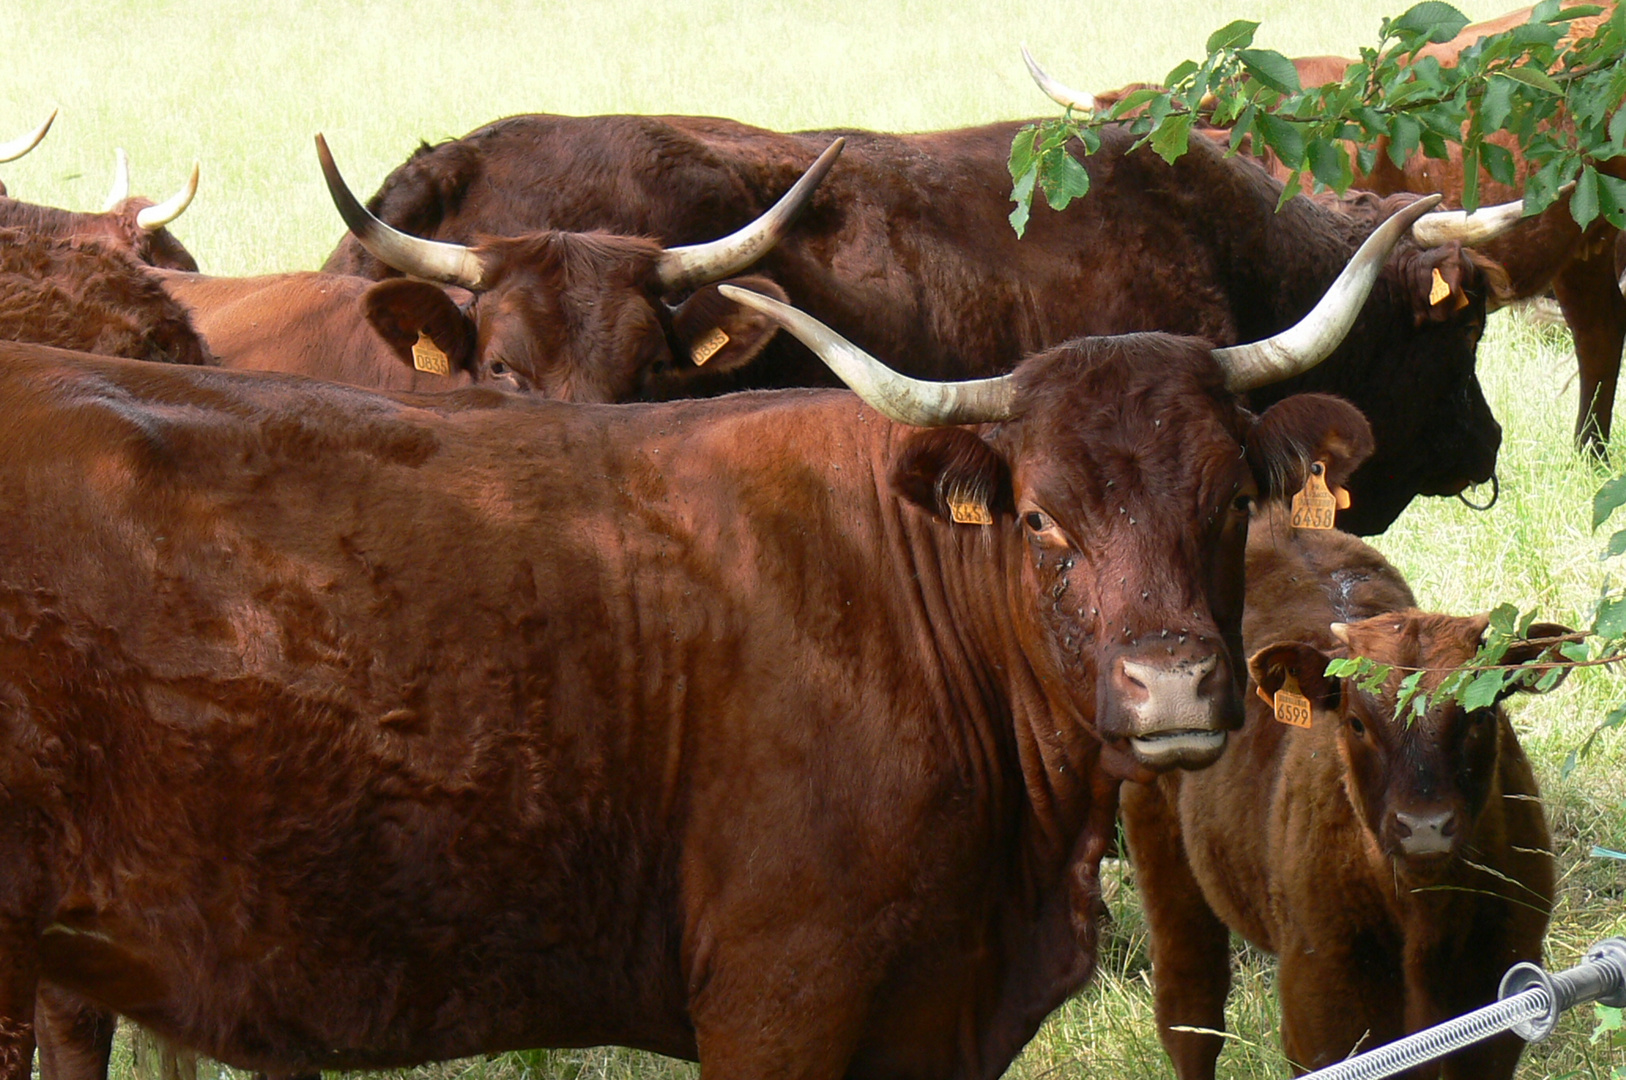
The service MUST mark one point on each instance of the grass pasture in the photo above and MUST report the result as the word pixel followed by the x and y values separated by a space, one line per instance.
pixel 243 88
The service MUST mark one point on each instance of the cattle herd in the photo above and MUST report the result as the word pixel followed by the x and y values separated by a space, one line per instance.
pixel 506 637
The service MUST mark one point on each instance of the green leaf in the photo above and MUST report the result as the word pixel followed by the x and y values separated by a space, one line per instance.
pixel 1236 35
pixel 1064 180
pixel 1584 203
pixel 1497 103
pixel 1502 619
pixel 1133 101
pixel 1617 128
pixel 1169 141
pixel 1292 187
pixel 1338 667
pixel 1022 195
pixel 1182 71
pixel 1330 164
pixel 1271 68
pixel 1535 77
pixel 1022 153
pixel 1283 137
pixel 1404 134
pixel 1498 161
pixel 1484 690
pixel 1440 21
pixel 1410 687
pixel 1576 651
pixel 1375 678
pixel 1610 497
pixel 1611 620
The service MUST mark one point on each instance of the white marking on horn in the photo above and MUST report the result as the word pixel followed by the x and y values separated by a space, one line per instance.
pixel 906 400
pixel 21 145
pixel 1313 338
pixel 121 182
pixel 1077 100
pixel 156 217
pixel 700 264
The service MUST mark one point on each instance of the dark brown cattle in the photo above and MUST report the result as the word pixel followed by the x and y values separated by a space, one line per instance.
pixel 349 731
pixel 1547 252
pixel 1397 868
pixel 572 316
pixel 132 224
pixel 93 298
pixel 906 250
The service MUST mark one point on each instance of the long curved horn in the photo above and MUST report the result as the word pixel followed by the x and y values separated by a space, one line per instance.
pixel 1486 223
pixel 700 264
pixel 153 218
pixel 906 400
pixel 1076 100
pixel 21 145
pixel 121 182
pixel 433 260
pixel 1304 345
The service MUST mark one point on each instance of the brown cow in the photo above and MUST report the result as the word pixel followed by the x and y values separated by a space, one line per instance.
pixel 907 250
pixel 1397 867
pixel 572 316
pixel 90 297
pixel 131 223
pixel 1547 252
pixel 350 731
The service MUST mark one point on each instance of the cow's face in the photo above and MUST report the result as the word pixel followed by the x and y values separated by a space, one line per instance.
pixel 571 316
pixel 1418 784
pixel 1127 482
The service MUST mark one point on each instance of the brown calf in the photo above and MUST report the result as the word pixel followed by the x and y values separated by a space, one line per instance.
pixel 1397 869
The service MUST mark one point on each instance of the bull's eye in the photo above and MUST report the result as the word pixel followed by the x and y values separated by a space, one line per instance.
pixel 1242 504
pixel 1036 521
pixel 499 368
pixel 1356 726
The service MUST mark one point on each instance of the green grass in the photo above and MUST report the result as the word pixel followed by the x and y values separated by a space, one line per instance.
pixel 242 88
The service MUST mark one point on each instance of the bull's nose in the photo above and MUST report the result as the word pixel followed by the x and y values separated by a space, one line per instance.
pixel 1425 834
pixel 1176 708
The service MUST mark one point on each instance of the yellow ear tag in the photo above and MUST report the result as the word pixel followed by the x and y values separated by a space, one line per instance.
pixel 1291 706
pixel 707 347
pixel 426 356
pixel 966 511
pixel 1315 507
pixel 1440 289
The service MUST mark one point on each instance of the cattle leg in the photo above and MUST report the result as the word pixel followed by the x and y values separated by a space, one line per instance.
pixel 1338 999
pixel 1590 297
pixel 1191 955
pixel 75 1039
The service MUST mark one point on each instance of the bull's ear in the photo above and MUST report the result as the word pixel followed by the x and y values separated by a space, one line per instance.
pixel 1271 666
pixel 952 474
pixel 1302 429
pixel 1437 281
pixel 401 310
pixel 1538 641
pixel 720 335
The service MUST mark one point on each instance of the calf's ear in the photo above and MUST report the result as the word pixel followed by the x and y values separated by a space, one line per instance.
pixel 720 335
pixel 1300 430
pixel 1271 666
pixel 1538 644
pixel 401 310
pixel 952 474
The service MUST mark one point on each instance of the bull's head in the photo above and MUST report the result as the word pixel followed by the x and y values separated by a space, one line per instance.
pixel 545 311
pixel 1127 468
pixel 139 225
pixel 1417 784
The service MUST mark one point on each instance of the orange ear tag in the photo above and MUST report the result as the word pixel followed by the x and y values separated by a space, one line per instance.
pixel 1439 291
pixel 707 347
pixel 426 356
pixel 1291 706
pixel 1315 507
pixel 966 511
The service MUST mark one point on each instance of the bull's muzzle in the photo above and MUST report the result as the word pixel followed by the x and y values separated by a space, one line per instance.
pixel 1426 834
pixel 1178 711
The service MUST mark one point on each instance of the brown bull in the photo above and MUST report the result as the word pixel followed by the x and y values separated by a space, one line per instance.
pixel 352 731
pixel 1397 866
pixel 526 313
pixel 1549 251
pixel 132 224
pixel 907 250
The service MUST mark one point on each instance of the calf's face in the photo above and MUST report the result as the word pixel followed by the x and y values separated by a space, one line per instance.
pixel 1418 783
